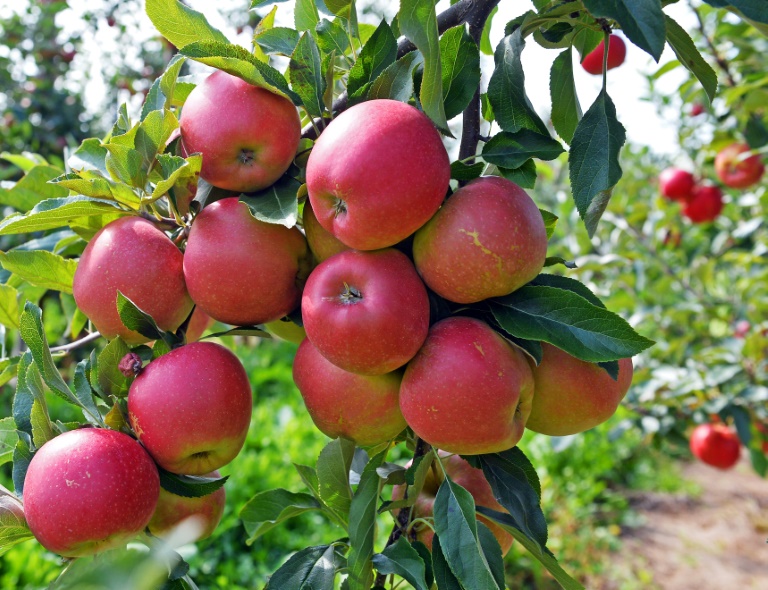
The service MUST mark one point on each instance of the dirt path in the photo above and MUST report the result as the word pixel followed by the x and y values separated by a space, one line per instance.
pixel 714 542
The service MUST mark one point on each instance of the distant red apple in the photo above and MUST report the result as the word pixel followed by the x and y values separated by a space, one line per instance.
pixel 617 53
pixel 676 184
pixel 735 172
pixel 741 329
pixel 716 445
pixel 705 204
pixel 697 109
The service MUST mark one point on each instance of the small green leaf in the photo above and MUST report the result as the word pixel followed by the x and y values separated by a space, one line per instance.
pixel 278 40
pixel 305 15
pixel 90 155
pixel 24 396
pixel 512 150
pixel 333 476
pixel 641 20
pixel 91 183
pixel 566 109
pixel 25 161
pixel 267 510
pixel 53 213
pixel 689 56
pixel 460 61
pixel 277 204
pixel 396 81
pixel 8 439
pixel 377 54
pixel 547 280
pixel 525 175
pixel 140 321
pixel 175 170
pixel 111 380
pixel 41 268
pixel 331 37
pixel 9 307
pixel 84 395
pixel 550 221
pixel 485 38
pixel 189 486
pixel 22 456
pixel 180 24
pixel 464 172
pixel 309 569
pixel 306 74
pixel 42 429
pixel 402 559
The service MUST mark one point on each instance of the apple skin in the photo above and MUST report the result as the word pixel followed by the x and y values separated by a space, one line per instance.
pixel 697 109
pixel 89 490
pixel 377 173
pixel 240 270
pixel 467 390
pixel 191 408
pixel 571 395
pixel 676 184
pixel 487 240
pixel 322 242
pixel 286 330
pixel 248 135
pixel 617 53
pixel 172 510
pixel 132 256
pixel 716 445
pixel 472 480
pixel 737 174
pixel 366 312
pixel 704 205
pixel 362 408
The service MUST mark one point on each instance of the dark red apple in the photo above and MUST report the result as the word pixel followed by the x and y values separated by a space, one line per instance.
pixel 716 445
pixel 735 170
pixel 705 204
pixel 676 184
pixel 617 53
pixel 697 109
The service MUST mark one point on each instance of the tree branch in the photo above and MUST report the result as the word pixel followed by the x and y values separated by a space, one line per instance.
pixel 77 343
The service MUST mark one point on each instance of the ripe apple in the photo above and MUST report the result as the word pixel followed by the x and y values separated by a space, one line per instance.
pixel 617 52
pixel 89 490
pixel 741 329
pixel 676 184
pixel 240 270
pixel 201 514
pixel 487 240
pixel 322 242
pixel 572 395
pixel 366 312
pixel 705 204
pixel 248 135
pixel 467 390
pixel 736 172
pixel 363 408
pixel 472 480
pixel 191 408
pixel 377 173
pixel 697 109
pixel 132 256
pixel 286 330
pixel 716 445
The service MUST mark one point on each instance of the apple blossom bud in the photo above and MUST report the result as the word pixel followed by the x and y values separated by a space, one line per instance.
pixel 130 365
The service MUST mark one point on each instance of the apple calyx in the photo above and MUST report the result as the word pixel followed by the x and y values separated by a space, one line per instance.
pixel 130 365
pixel 246 157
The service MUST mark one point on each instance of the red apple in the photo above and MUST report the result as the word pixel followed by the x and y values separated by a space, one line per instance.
pixel 240 270
pixel 617 53
pixel 763 430
pixel 191 408
pixel 285 329
pixel 488 240
pixel 705 204
pixel 472 480
pixel 572 395
pixel 468 390
pixel 697 109
pixel 716 445
pixel 132 256
pixel 377 173
pixel 201 515
pixel 248 135
pixel 676 184
pixel 366 312
pixel 89 490
pixel 736 172
pixel 362 408
pixel 322 242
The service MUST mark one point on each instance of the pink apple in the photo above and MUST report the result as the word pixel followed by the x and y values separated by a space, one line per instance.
pixel 676 184
pixel 735 172
pixel 617 53
pixel 705 204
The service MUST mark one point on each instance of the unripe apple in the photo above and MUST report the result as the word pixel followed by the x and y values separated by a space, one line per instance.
pixel 202 514
pixel 705 204
pixel 322 242
pixel 191 408
pixel 366 312
pixel 572 395
pixel 487 240
pixel 248 135
pixel 676 184
pixel 735 172
pixel 467 390
pixel 377 173
pixel 359 407
pixel 285 329
pixel 617 53
pixel 716 445
pixel 240 270
pixel 468 477
pixel 132 256
pixel 89 490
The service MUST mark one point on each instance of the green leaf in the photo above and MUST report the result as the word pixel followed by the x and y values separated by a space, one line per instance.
pixel 9 307
pixel 267 510
pixel 512 150
pixel 175 169
pixel 305 15
pixel 418 22
pixel 506 89
pixel 42 429
pixel 443 575
pixel 460 61
pixel 277 204
pixel 362 525
pixel 163 89
pixel 33 187
pixel 313 568
pixel 84 395
pixel 25 161
pixel 550 221
pixel 339 7
pixel 560 282
pixel 8 439
pixel 331 37
pixel 309 476
pixel 24 396
pixel 525 175
pixel 377 54
pixel 641 20
pixel 333 476
pixel 41 268
pixel 240 331
pixel 566 110
pixel 462 171
pixel 485 38
pixel 594 160
pixel 279 40
pixel 456 525
pixel 306 74
pixel 689 56
pixel 396 81
pixel 752 9
pixel 13 527
pixel 138 320
pixel 110 379
pixel 90 183
pixel 180 24
pixel 492 553
pixel 22 455
pixel 403 560
pixel 53 213
pixel 569 321
pixel 189 486
pixel 90 155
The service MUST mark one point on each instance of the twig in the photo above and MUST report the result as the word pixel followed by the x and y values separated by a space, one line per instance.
pixel 77 343
pixel 722 64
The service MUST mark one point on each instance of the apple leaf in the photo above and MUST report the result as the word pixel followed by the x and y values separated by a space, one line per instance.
pixel 566 110
pixel 22 456
pixel 41 268
pixel 685 50
pixel 333 477
pixel 175 169
pixel 594 159
pixel 512 150
pixel 277 204
pixel 24 396
pixel 418 22
pixel 525 175
pixel 33 334
pixel 8 439
pixel 161 93
pixel 443 574
pixel 277 41
pixel 550 221
pixel 547 280
pixel 89 155
pixel 32 188
pixel 331 37
pixel 9 307
pixel 24 161
pixel 268 509
pixel 569 321
pixel 377 54
pixel 240 331
pixel 415 476
pixel 492 552
pixel 402 559
pixel 754 10
pixel 42 429
pixel 312 567
pixel 140 321
pixel 189 486
pixel 456 525
pixel 641 20
pixel 396 81
pixel 53 213
pixel 464 172
pixel 91 183
pixel 180 24
pixel 84 395
pixel 460 61
pixel 306 75
pixel 305 15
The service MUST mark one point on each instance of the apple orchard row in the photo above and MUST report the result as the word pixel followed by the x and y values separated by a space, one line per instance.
pixel 378 236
